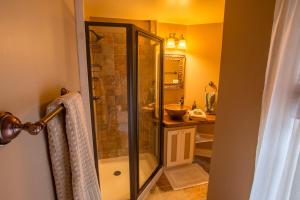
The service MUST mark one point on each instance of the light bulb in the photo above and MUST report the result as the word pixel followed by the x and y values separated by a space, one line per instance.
pixel 182 43
pixel 171 43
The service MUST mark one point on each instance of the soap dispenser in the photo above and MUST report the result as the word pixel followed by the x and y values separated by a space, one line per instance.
pixel 194 106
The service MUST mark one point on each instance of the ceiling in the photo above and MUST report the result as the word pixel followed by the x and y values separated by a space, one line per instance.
pixel 186 12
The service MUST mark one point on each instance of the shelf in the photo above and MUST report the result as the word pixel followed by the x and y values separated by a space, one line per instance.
pixel 204 137
pixel 203 152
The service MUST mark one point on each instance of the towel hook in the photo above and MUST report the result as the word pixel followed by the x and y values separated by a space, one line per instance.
pixel 11 126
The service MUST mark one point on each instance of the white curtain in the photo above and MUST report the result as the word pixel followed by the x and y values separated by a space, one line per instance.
pixel 277 173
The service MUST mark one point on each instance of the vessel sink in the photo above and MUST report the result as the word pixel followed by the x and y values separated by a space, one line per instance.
pixel 176 111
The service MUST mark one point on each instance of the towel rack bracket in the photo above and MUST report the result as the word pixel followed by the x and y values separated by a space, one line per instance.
pixel 11 126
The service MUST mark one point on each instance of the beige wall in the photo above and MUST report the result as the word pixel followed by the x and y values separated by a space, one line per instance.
pixel 203 60
pixel 163 30
pixel 203 55
pixel 144 24
pixel 37 57
pixel 246 40
pixel 169 11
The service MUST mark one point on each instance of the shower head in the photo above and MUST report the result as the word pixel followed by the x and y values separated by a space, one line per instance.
pixel 98 37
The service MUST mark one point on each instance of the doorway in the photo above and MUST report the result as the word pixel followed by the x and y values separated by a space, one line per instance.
pixel 125 68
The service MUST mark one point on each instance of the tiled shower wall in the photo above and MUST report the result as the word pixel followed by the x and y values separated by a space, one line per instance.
pixel 148 125
pixel 109 81
pixel 109 77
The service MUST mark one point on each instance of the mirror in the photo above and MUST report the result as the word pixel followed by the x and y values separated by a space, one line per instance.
pixel 174 71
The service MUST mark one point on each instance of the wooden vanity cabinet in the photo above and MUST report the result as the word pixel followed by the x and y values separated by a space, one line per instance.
pixel 179 145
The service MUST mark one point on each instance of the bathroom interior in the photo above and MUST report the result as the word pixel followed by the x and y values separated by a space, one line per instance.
pixel 153 83
pixel 43 49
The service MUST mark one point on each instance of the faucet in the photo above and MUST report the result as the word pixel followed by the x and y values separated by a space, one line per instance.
pixel 181 101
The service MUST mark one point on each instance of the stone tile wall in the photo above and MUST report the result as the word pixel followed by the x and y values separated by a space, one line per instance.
pixel 109 80
pixel 109 76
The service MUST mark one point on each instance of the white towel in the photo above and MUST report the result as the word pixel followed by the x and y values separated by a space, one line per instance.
pixel 71 152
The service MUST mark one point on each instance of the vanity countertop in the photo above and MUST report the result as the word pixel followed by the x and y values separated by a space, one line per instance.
pixel 185 121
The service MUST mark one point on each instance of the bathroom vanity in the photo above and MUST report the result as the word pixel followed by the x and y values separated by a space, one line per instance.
pixel 179 145
pixel 181 141
pixel 183 137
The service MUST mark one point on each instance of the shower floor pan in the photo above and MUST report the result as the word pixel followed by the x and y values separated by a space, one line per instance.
pixel 114 175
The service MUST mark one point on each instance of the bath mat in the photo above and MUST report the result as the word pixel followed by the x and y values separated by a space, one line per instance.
pixel 186 176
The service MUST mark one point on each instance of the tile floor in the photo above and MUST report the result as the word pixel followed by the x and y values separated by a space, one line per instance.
pixel 163 190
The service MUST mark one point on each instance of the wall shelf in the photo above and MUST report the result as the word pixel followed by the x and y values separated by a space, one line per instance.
pixel 204 137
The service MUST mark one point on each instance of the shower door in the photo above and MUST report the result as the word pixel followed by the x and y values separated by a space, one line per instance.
pixel 125 79
pixel 149 105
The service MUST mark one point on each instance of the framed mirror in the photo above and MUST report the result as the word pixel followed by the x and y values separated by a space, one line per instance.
pixel 174 67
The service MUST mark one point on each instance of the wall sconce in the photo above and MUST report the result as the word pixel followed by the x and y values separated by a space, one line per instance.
pixel 172 42
pixel 182 43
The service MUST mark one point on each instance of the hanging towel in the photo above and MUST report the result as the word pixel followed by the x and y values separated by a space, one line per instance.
pixel 71 152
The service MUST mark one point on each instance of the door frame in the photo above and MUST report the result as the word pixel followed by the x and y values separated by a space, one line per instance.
pixel 158 171
pixel 132 33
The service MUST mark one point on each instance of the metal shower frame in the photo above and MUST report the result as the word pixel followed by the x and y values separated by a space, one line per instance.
pixel 132 33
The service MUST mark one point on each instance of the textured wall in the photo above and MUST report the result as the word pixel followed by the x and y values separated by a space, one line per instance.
pixel 37 57
pixel 109 70
pixel 108 59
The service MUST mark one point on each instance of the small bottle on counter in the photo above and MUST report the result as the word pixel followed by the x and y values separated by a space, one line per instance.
pixel 194 106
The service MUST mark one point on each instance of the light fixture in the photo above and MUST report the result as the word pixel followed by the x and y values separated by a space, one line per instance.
pixel 181 43
pixel 171 44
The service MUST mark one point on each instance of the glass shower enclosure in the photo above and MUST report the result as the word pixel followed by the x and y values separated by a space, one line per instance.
pixel 125 67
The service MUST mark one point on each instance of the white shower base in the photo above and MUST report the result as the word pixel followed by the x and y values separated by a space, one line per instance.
pixel 117 187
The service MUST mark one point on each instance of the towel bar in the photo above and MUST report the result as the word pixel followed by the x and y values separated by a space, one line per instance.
pixel 11 126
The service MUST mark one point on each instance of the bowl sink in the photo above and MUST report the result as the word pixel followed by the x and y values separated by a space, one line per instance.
pixel 176 111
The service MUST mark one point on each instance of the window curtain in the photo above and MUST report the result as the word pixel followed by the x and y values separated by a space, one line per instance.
pixel 277 172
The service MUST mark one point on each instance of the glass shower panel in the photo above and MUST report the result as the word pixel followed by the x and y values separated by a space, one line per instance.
pixel 108 71
pixel 148 106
